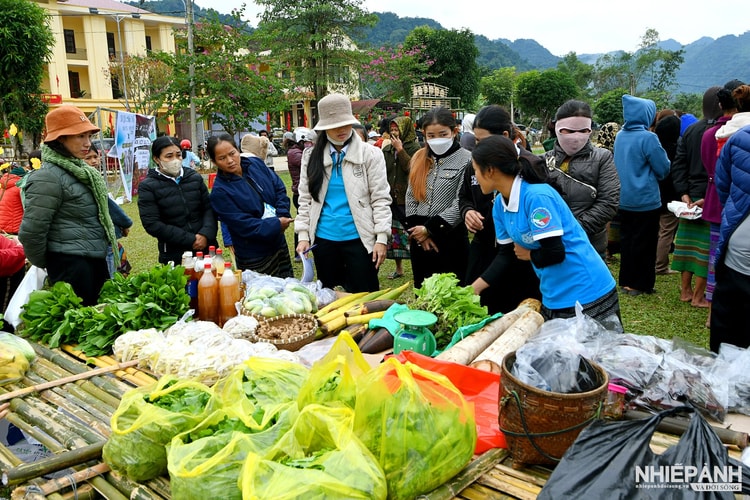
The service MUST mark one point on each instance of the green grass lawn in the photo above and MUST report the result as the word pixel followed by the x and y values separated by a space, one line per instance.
pixel 661 314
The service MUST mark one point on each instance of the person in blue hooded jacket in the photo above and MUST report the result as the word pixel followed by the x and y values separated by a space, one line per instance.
pixel 641 163
pixel 251 202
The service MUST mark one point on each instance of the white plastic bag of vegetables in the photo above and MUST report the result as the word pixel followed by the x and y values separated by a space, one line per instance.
pixel 416 423
pixel 319 458
pixel 147 420
pixel 206 461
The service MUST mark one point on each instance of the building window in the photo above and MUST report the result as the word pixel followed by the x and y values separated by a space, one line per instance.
pixel 75 84
pixel 116 90
pixel 111 45
pixel 70 41
pixel 338 73
pixel 148 43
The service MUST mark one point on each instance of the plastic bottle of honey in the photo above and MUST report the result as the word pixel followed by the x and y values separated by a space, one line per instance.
pixel 229 294
pixel 208 296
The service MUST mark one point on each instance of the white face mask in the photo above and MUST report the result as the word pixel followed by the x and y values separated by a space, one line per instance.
pixel 337 142
pixel 441 145
pixel 171 168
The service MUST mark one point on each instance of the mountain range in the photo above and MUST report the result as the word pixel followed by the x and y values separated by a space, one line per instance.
pixel 707 61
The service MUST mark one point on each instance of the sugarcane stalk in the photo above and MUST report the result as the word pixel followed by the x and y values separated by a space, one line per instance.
pixel 63 381
pixel 133 490
pixel 468 475
pixel 52 463
pixel 58 426
pixel 35 432
pixel 73 479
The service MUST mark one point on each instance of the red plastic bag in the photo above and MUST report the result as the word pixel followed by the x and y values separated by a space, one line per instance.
pixel 478 387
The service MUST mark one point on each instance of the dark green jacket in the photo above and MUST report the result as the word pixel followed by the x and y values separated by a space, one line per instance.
pixel 397 165
pixel 60 215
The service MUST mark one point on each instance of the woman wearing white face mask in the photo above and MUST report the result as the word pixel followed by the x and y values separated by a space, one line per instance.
pixel 173 204
pixel 584 174
pixel 344 201
pixel 439 241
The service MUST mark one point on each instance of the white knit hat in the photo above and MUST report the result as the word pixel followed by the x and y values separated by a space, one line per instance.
pixel 334 110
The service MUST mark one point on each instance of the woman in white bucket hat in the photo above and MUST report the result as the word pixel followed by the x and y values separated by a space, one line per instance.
pixel 344 201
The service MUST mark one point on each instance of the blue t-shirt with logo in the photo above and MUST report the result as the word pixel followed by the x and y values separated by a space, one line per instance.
pixel 537 211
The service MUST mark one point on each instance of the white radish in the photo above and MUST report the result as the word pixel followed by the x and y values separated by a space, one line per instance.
pixel 464 351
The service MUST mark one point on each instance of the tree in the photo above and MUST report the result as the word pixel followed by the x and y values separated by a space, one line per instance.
pixel 650 68
pixel 26 43
pixel 689 103
pixel 311 39
pixel 454 54
pixel 541 93
pixel 582 73
pixel 390 72
pixel 233 85
pixel 609 107
pixel 146 78
pixel 497 88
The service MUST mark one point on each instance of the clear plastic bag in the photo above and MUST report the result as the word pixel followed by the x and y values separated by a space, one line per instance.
pixel 555 370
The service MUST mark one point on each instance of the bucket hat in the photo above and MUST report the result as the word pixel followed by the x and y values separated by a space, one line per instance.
pixel 67 120
pixel 334 110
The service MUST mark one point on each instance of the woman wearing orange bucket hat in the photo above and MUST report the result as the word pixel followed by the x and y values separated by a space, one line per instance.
pixel 66 226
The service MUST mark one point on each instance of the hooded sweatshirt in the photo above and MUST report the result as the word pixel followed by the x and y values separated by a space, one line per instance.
pixel 640 159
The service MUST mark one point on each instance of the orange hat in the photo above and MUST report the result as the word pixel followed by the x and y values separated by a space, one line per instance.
pixel 67 120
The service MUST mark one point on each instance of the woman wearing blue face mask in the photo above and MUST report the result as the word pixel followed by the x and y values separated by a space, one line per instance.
pixel 439 241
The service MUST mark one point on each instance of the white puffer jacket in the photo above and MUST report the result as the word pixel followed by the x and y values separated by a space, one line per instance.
pixel 367 191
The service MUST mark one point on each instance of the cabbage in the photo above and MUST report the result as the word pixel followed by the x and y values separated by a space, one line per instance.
pixel 19 344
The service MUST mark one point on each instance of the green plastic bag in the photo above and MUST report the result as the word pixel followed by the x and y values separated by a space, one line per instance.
pixel 205 462
pixel 416 423
pixel 258 387
pixel 333 378
pixel 320 458
pixel 147 420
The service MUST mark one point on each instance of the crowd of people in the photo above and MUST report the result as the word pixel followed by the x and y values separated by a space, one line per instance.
pixel 467 198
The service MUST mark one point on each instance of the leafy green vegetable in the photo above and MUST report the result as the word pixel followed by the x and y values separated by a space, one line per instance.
pixel 454 305
pixel 188 401
pixel 311 461
pixel 46 316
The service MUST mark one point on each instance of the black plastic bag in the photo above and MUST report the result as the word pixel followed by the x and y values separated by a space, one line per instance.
pixel 613 460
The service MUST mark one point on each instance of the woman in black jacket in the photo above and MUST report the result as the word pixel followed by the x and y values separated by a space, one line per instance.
pixel 174 206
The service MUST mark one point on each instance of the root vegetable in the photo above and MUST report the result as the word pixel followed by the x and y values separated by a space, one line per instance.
pixel 465 351
pixel 513 338
pixel 487 366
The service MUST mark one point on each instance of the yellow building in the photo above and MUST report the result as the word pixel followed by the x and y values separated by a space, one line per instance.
pixel 88 35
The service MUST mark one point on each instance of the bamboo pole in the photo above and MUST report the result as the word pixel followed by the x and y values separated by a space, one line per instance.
pixel 161 486
pixel 106 489
pixel 60 483
pixel 100 394
pixel 68 423
pixel 678 427
pixel 468 475
pixel 83 492
pixel 59 426
pixel 35 432
pixel 52 463
pixel 100 425
pixel 133 490
pixel 65 380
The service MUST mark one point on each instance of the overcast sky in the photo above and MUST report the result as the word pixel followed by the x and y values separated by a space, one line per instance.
pixel 584 26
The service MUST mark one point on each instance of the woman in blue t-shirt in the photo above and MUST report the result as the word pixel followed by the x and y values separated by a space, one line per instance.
pixel 533 217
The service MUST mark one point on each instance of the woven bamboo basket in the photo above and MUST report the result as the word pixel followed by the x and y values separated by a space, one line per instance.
pixel 269 330
pixel 539 426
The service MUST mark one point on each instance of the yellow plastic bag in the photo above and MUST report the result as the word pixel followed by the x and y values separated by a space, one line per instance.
pixel 13 364
pixel 147 420
pixel 206 461
pixel 319 458
pixel 416 423
pixel 258 387
pixel 333 379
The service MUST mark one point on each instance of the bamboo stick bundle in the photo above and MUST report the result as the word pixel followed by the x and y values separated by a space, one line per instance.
pixel 133 490
pixel 35 432
pixel 135 377
pixel 48 370
pixel 99 421
pixel 64 429
pixel 53 463
pixel 58 358
pixel 138 372
pixel 467 476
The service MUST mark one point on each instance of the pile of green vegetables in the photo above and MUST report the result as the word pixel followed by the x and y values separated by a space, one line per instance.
pixel 151 299
pixel 455 306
